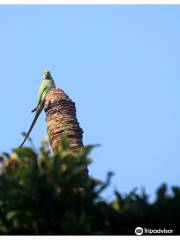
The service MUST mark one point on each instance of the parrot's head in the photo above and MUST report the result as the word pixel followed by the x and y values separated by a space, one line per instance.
pixel 47 74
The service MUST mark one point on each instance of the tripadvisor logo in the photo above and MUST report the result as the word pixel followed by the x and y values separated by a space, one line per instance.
pixel 139 231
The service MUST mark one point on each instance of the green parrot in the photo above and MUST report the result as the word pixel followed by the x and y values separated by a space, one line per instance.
pixel 46 84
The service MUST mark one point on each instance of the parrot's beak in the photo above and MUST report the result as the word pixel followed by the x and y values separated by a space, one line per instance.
pixel 46 75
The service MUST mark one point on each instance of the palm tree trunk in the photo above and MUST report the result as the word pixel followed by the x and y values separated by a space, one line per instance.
pixel 61 120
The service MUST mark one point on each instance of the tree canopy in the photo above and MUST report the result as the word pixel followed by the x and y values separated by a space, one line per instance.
pixel 44 193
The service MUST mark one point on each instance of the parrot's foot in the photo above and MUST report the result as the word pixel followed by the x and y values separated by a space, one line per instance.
pixel 34 109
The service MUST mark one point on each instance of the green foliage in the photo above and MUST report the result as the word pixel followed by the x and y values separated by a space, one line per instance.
pixel 44 193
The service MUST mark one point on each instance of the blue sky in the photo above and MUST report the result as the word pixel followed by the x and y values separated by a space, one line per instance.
pixel 119 63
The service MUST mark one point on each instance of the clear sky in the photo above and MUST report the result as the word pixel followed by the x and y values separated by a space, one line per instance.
pixel 120 64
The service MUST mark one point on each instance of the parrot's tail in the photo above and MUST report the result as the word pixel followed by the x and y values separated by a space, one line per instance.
pixel 31 127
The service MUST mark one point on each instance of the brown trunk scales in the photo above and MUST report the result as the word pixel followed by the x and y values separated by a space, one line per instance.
pixel 61 120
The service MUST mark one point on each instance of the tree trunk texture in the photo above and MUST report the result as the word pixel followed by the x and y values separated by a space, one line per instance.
pixel 61 120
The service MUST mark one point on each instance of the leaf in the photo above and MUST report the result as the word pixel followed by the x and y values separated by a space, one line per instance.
pixel 5 154
pixel 10 215
pixel 161 192
pixel 25 152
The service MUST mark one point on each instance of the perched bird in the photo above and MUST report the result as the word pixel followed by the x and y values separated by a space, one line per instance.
pixel 46 84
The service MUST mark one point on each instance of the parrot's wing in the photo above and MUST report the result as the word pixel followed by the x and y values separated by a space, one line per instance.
pixel 39 100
